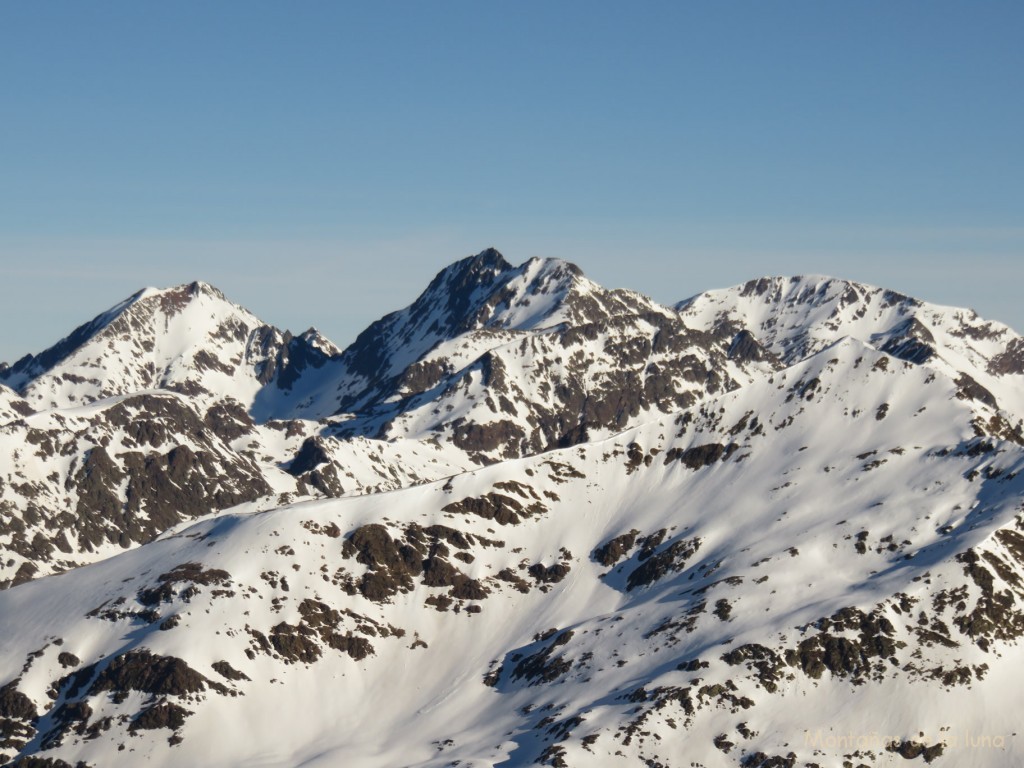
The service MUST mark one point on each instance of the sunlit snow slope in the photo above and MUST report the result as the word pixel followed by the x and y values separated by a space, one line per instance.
pixel 789 531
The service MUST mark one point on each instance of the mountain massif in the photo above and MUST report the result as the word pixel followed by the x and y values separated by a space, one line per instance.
pixel 524 521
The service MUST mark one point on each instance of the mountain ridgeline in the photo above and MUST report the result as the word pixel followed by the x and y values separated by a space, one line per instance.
pixel 525 520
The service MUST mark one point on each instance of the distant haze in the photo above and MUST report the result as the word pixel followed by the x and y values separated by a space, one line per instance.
pixel 319 166
pixel 340 291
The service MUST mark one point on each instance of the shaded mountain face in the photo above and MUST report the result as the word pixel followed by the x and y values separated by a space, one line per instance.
pixel 524 521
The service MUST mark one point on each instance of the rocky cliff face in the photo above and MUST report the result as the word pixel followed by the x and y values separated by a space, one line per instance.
pixel 523 521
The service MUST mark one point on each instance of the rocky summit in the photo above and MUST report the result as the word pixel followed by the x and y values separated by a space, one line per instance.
pixel 525 520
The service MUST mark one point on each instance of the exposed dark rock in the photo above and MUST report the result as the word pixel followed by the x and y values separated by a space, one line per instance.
pixel 438 572
pixel 225 670
pixel 544 666
pixel 186 483
pixel 140 671
pixel 761 760
pixel 910 750
pixel 722 742
pixel 356 647
pixel 466 588
pixel 68 660
pixel 311 455
pixel 505 435
pixel 228 420
pixel 745 348
pixel 503 509
pixel 969 389
pixel 422 376
pixel 996 614
pixel 192 574
pixel 701 455
pixel 1010 361
pixel 94 480
pixel 392 565
pixel 325 479
pixel 723 610
pixel 910 341
pixel 164 715
pixel 331 530
pixel 769 666
pixel 296 355
pixel 295 643
pixel 613 550
pixel 440 603
pixel 26 572
pixel 671 559
pixel 509 576
pixel 154 421
pixel 15 704
pixel 860 658
pixel 456 538
pixel 453 300
pixel 550 574
pixel 69 717
pixel 31 761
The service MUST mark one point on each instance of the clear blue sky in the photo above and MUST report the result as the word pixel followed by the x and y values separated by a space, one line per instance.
pixel 320 161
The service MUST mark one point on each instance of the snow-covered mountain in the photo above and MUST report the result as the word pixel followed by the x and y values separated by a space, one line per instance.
pixel 525 520
pixel 794 317
pixel 491 362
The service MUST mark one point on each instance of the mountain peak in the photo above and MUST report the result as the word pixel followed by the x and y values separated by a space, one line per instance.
pixel 481 294
pixel 487 258
pixel 182 291
pixel 176 298
pixel 453 293
pixel 807 289
pixel 156 338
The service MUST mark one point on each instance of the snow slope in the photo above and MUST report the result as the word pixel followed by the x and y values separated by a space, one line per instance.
pixel 488 618
pixel 780 525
